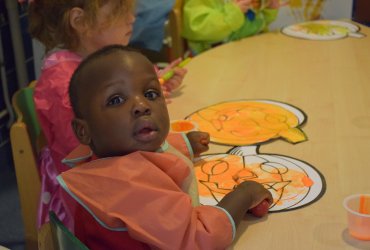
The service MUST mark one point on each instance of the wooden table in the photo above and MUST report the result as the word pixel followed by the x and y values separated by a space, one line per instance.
pixel 330 82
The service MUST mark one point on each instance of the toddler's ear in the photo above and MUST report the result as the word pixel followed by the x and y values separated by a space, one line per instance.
pixel 76 19
pixel 81 131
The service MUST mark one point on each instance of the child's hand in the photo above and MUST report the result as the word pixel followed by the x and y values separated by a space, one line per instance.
pixel 261 209
pixel 274 4
pixel 257 193
pixel 244 5
pixel 244 197
pixel 199 141
pixel 175 81
pixel 256 4
pixel 167 96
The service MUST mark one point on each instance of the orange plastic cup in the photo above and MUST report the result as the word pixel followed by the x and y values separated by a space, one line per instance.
pixel 358 212
pixel 180 126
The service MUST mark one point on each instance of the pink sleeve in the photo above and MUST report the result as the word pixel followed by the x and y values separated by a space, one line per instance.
pixel 181 143
pixel 146 201
pixel 54 110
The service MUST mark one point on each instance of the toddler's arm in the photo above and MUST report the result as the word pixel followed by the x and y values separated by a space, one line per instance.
pixel 205 22
pixel 245 196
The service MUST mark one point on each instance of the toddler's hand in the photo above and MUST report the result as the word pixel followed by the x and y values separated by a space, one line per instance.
pixel 274 4
pixel 199 141
pixel 261 209
pixel 167 96
pixel 244 5
pixel 256 4
pixel 257 193
pixel 175 81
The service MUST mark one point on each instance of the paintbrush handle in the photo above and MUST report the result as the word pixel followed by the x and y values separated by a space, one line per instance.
pixel 171 72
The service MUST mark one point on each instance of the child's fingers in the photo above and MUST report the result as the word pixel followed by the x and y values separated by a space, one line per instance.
pixel 171 84
pixel 205 148
pixel 175 81
pixel 256 4
pixel 269 198
pixel 175 62
pixel 181 72
pixel 287 2
pixel 169 67
pixel 165 92
pixel 205 139
pixel 200 148
pixel 275 4
pixel 166 95
pixel 246 2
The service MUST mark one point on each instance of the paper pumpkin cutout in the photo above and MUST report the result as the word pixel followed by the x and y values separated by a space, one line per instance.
pixel 249 122
pixel 322 30
pixel 292 183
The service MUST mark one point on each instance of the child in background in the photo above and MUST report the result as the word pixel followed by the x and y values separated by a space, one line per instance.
pixel 71 30
pixel 149 26
pixel 207 23
pixel 140 192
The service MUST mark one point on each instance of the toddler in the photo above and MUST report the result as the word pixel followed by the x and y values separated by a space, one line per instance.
pixel 140 192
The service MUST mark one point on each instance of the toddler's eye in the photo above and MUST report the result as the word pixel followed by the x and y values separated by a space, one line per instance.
pixel 152 94
pixel 115 100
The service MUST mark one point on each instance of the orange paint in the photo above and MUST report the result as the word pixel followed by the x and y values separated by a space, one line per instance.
pixel 360 237
pixel 219 174
pixel 307 181
pixel 363 209
pixel 182 126
pixel 242 123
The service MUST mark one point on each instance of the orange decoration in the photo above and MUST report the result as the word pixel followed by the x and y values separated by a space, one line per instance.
pixel 248 122
pixel 219 174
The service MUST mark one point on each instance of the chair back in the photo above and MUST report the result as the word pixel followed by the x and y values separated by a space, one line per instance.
pixel 63 239
pixel 45 239
pixel 24 134
pixel 178 45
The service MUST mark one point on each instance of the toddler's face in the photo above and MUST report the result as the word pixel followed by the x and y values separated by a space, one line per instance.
pixel 124 109
pixel 119 32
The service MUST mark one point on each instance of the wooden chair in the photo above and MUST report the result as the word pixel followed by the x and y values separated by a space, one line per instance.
pixel 45 238
pixel 178 44
pixel 25 136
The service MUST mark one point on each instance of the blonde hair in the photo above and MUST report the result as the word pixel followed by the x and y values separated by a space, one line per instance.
pixel 49 19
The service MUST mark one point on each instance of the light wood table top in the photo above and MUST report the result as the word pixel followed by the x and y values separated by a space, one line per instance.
pixel 330 82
